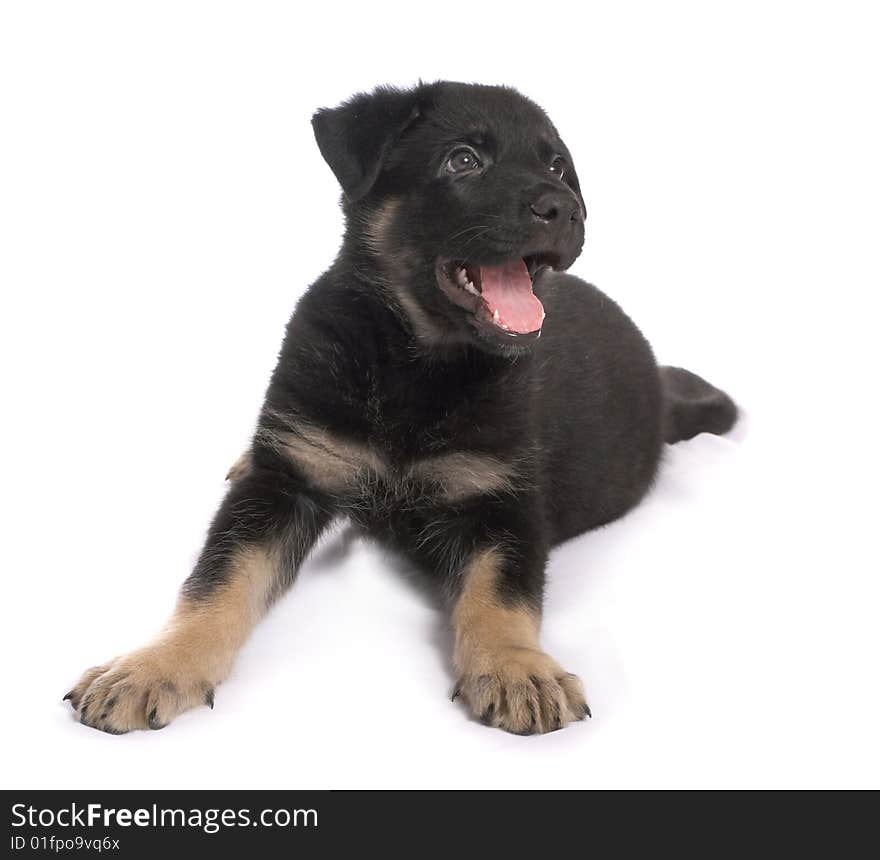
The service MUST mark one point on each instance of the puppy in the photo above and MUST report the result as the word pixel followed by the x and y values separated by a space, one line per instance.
pixel 447 388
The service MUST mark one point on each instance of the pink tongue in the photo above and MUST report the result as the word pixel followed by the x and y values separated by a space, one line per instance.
pixel 507 290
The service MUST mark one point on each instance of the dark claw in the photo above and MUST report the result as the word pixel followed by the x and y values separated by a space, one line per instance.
pixel 68 696
pixel 153 722
pixel 456 693
pixel 209 698
pixel 587 711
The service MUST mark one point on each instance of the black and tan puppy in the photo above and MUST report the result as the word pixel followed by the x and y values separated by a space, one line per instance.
pixel 448 389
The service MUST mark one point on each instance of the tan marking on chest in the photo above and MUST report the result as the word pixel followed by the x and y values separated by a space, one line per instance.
pixel 330 462
pixel 461 474
pixel 344 466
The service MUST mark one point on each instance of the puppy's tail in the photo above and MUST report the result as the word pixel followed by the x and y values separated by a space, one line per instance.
pixel 692 405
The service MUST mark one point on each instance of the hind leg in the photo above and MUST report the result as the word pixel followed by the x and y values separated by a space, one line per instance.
pixel 692 406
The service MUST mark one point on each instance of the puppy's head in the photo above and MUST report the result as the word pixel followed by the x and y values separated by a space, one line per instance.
pixel 464 195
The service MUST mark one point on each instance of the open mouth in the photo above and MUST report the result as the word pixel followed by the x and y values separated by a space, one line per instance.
pixel 500 297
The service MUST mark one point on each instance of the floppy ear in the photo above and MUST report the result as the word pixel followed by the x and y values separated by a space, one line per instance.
pixel 356 137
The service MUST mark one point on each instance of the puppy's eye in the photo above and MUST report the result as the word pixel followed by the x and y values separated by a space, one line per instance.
pixel 462 160
pixel 557 166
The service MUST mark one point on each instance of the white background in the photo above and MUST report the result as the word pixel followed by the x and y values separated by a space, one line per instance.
pixel 162 207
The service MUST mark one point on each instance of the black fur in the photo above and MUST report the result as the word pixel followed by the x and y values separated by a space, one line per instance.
pixel 582 409
pixel 378 355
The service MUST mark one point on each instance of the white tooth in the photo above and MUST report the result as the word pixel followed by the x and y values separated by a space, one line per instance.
pixel 543 315
pixel 496 316
pixel 471 289
pixel 505 327
pixel 461 277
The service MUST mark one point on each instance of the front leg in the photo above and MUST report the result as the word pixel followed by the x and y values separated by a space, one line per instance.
pixel 505 677
pixel 263 530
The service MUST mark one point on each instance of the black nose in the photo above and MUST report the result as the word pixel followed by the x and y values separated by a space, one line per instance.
pixel 556 206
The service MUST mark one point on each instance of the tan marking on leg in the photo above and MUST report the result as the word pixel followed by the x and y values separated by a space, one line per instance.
pixel 180 669
pixel 483 625
pixel 240 467
pixel 505 677
pixel 462 474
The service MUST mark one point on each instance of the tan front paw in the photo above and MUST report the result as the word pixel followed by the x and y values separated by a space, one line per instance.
pixel 142 690
pixel 522 690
